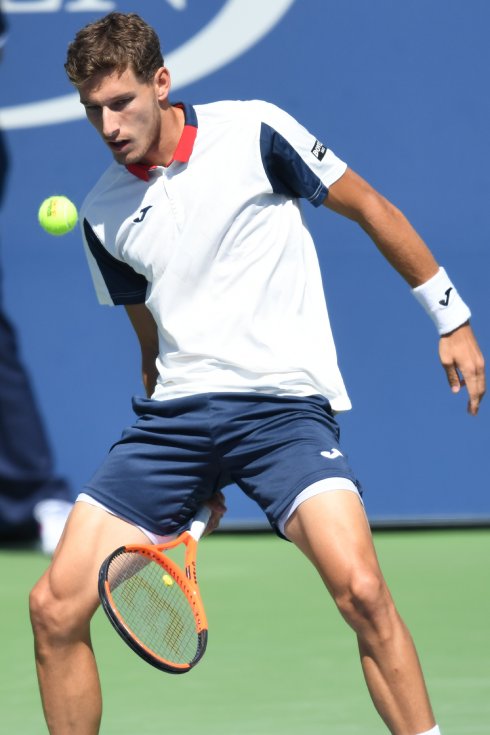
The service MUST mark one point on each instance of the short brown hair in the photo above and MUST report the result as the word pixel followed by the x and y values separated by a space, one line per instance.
pixel 114 43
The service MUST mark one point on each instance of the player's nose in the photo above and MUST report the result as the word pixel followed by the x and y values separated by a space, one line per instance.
pixel 110 127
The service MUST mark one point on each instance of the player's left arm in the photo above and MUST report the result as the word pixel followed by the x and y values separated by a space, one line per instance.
pixel 405 250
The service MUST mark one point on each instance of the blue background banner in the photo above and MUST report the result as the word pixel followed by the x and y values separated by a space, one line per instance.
pixel 399 91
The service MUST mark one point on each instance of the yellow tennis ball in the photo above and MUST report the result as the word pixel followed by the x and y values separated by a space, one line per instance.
pixel 167 580
pixel 57 215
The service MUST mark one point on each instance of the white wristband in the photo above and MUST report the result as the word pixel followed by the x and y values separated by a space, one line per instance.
pixel 442 302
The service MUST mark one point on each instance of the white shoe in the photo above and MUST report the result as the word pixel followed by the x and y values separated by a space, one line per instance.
pixel 51 516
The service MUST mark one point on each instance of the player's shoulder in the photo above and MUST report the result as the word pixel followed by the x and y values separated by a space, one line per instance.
pixel 230 110
pixel 113 178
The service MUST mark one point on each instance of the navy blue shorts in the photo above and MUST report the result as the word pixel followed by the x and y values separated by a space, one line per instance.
pixel 179 452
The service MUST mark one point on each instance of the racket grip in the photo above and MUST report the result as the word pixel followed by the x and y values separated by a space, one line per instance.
pixel 200 522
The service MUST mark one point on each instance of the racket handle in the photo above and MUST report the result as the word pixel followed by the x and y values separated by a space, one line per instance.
pixel 200 522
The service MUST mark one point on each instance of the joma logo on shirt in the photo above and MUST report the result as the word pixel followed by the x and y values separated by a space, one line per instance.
pixel 318 150
pixel 142 214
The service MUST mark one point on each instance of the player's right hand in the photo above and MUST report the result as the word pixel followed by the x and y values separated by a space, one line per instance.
pixel 218 508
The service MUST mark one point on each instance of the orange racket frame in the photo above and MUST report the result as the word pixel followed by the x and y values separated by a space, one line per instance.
pixel 185 577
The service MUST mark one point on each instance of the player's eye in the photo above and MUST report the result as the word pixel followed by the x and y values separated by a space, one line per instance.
pixel 121 104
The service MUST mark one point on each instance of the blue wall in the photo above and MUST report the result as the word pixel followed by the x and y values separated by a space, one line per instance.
pixel 400 91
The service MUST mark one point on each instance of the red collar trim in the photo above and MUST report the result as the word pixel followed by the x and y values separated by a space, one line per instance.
pixel 185 145
pixel 182 153
pixel 141 170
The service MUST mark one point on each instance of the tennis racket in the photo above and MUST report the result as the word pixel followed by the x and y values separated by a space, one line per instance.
pixel 154 603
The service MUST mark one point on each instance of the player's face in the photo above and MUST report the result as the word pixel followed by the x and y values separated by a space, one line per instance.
pixel 127 113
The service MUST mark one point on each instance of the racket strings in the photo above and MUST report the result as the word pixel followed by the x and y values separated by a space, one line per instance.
pixel 153 607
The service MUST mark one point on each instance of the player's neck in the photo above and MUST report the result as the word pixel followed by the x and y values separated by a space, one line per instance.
pixel 170 132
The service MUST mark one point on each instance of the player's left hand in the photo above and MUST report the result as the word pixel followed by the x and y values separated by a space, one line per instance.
pixel 463 362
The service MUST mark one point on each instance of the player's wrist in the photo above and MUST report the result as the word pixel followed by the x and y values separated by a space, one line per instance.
pixel 440 299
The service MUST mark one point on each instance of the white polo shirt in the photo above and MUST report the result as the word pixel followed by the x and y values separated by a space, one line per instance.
pixel 216 246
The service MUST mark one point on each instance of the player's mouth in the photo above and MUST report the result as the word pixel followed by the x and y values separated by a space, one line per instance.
pixel 118 146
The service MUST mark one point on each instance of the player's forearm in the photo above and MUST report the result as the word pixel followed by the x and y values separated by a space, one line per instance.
pixel 149 374
pixel 146 330
pixel 389 229
pixel 398 241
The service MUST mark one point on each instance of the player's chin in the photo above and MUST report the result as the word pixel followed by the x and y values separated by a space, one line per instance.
pixel 122 158
pixel 124 154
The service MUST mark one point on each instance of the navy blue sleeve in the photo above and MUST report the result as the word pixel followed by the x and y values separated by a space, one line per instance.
pixel 286 170
pixel 124 285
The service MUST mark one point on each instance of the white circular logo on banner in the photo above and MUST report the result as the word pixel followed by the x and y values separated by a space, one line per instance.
pixel 233 30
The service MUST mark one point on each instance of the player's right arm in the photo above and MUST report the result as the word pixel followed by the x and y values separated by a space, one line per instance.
pixel 147 332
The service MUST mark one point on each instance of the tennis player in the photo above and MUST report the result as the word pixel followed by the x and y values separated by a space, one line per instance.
pixel 196 229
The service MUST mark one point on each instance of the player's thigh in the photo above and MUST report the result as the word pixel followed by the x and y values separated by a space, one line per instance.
pixel 70 583
pixel 332 530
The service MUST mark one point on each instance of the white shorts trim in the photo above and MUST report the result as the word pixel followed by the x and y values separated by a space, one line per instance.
pixel 153 537
pixel 322 486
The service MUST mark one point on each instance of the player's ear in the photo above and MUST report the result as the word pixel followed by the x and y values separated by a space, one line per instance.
pixel 162 83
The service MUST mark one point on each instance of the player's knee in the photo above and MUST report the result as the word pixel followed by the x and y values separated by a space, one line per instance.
pixel 366 603
pixel 52 618
pixel 42 609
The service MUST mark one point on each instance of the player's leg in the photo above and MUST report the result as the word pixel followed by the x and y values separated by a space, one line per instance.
pixel 158 474
pixel 62 604
pixel 331 529
pixel 289 448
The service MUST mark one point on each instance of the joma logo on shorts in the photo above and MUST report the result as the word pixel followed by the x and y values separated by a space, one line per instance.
pixel 333 454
